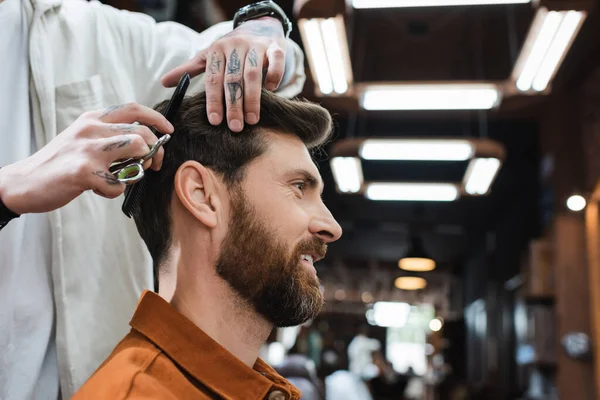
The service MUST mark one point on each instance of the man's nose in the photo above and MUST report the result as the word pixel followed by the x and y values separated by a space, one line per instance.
pixel 326 228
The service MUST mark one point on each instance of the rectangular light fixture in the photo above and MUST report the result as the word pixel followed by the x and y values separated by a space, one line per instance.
pixel 327 52
pixel 429 3
pixel 400 191
pixel 442 96
pixel 549 39
pixel 480 175
pixel 416 150
pixel 389 314
pixel 347 172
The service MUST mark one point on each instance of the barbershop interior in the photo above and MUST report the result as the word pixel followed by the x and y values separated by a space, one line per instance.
pixel 464 171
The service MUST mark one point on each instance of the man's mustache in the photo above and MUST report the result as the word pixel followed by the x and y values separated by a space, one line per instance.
pixel 312 246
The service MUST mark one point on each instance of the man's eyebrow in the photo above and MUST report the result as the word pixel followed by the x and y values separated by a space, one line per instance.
pixel 312 181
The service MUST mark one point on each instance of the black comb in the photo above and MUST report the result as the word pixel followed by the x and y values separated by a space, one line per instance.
pixel 134 193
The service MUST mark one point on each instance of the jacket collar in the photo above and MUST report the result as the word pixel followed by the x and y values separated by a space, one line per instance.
pixel 202 357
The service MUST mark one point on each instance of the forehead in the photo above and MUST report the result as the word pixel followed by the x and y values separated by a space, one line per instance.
pixel 286 152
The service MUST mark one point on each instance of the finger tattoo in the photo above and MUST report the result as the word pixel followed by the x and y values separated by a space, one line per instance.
pixel 253 58
pixel 111 109
pixel 215 64
pixel 128 128
pixel 117 145
pixel 108 177
pixel 234 66
pixel 236 91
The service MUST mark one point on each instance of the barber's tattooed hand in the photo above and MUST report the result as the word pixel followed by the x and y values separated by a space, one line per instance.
pixel 234 68
pixel 78 159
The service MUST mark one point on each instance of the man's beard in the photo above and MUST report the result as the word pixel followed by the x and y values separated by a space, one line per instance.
pixel 263 271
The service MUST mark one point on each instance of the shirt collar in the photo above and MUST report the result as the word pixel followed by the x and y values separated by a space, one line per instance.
pixel 41 6
pixel 201 356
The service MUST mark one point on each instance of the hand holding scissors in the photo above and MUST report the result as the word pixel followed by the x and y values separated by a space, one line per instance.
pixel 131 171
pixel 80 157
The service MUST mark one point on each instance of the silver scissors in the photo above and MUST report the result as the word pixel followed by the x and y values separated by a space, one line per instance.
pixel 131 171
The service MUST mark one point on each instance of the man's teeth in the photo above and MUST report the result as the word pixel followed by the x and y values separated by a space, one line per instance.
pixel 307 258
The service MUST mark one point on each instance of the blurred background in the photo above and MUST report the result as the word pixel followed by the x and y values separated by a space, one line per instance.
pixel 464 172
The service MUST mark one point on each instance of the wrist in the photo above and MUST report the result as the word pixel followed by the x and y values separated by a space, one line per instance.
pixel 8 189
pixel 268 19
pixel 261 10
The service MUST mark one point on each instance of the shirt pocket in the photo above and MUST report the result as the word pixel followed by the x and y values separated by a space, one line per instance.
pixel 75 98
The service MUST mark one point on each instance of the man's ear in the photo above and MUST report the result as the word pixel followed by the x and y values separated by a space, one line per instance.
pixel 195 188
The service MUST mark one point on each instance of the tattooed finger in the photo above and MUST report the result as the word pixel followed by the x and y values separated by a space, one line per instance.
pixel 123 128
pixel 214 65
pixel 117 145
pixel 234 66
pixel 107 176
pixel 112 109
pixel 236 91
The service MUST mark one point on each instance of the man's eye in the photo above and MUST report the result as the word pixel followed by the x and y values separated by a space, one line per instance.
pixel 300 185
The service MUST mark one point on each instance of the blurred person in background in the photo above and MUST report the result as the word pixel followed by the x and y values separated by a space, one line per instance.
pixel 388 384
pixel 75 77
pixel 360 353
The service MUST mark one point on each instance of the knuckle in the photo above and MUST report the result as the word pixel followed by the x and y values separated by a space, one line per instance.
pixel 133 109
pixel 132 106
pixel 233 78
pixel 213 80
pixel 80 170
pixel 87 128
pixel 253 74
pixel 275 77
pixel 146 133
pixel 138 142
pixel 251 104
pixel 88 115
pixel 234 110
pixel 214 105
pixel 278 55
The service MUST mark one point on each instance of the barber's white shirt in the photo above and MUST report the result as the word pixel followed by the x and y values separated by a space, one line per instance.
pixel 28 366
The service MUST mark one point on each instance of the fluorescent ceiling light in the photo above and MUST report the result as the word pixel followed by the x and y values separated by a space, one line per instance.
pixel 467 96
pixel 329 28
pixel 480 175
pixel 389 314
pixel 548 41
pixel 412 191
pixel 550 21
pixel 563 39
pixel 314 42
pixel 347 172
pixel 410 283
pixel 429 3
pixel 416 150
pixel 327 49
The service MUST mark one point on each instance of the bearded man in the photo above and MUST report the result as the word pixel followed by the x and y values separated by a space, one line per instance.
pixel 234 223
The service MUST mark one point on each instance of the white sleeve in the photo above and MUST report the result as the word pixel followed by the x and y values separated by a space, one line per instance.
pixel 155 48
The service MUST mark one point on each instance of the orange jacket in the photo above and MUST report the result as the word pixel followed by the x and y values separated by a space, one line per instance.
pixel 166 356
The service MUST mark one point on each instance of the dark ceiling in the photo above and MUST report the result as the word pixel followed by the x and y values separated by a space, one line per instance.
pixel 428 44
pixel 464 43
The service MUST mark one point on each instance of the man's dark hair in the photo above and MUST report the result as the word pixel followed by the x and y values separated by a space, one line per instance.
pixel 221 150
